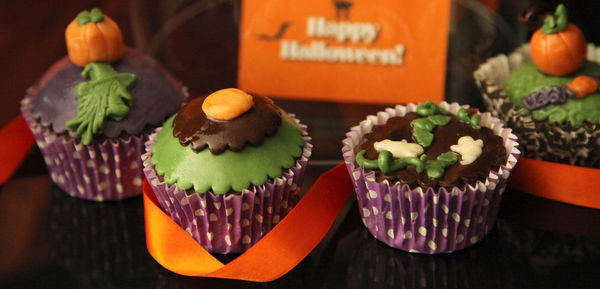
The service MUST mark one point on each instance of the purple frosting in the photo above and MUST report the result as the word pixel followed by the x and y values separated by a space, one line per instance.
pixel 156 95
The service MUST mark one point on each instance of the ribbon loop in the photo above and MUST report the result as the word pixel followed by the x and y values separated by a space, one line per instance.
pixel 559 182
pixel 15 141
pixel 288 243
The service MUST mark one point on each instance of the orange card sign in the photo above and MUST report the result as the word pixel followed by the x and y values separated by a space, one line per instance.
pixel 384 51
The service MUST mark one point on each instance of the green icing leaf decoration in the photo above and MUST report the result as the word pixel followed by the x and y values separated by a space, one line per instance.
pixel 423 137
pixel 203 171
pixel 385 162
pixel 436 168
pixel 475 119
pixel 439 120
pixel 556 22
pixel 428 108
pixel 104 96
pixel 84 17
pixel 463 115
pixel 423 123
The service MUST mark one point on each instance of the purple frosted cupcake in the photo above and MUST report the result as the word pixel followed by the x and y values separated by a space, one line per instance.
pixel 90 117
pixel 228 167
pixel 429 178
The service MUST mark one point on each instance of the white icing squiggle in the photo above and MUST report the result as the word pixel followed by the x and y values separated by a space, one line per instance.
pixel 468 148
pixel 399 149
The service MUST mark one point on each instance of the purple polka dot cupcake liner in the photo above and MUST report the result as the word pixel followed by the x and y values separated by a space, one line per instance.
pixel 230 223
pixel 110 170
pixel 423 220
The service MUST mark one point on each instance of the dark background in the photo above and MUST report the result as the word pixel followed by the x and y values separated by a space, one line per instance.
pixel 50 240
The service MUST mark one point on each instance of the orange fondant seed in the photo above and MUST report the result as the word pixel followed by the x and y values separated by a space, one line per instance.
pixel 227 104
pixel 582 86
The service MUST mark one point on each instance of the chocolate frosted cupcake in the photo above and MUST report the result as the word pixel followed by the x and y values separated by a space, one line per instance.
pixel 91 111
pixel 429 178
pixel 228 167
pixel 547 91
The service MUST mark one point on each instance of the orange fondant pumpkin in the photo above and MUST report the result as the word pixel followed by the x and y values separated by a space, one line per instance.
pixel 93 40
pixel 558 48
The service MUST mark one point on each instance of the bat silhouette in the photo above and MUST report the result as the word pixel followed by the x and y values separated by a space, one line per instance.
pixel 342 7
pixel 282 28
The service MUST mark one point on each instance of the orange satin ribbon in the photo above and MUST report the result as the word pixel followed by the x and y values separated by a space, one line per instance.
pixel 275 254
pixel 564 183
pixel 15 141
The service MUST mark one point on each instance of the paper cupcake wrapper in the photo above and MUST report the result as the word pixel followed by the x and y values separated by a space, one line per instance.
pixel 230 223
pixel 423 220
pixel 538 139
pixel 110 170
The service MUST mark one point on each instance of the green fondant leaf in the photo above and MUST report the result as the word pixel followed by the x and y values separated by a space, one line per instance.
pixel 96 15
pixel 427 108
pixel 556 22
pixel 423 137
pixel 463 115
pixel 229 170
pixel 436 168
pixel 475 119
pixel 448 158
pixel 104 96
pixel 84 17
pixel 423 123
pixel 439 120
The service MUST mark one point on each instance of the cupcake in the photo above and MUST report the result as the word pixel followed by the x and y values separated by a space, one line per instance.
pixel 227 168
pixel 547 92
pixel 91 112
pixel 429 178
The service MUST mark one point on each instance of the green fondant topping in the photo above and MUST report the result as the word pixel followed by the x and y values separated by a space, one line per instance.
pixel 527 78
pixel 435 168
pixel 557 22
pixel 385 162
pixel 104 96
pixel 84 17
pixel 423 137
pixel 228 170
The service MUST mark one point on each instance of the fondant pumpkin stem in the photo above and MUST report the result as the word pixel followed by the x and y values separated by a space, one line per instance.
pixel 556 22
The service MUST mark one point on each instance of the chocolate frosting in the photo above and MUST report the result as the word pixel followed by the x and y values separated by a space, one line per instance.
pixel 398 128
pixel 156 95
pixel 192 126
